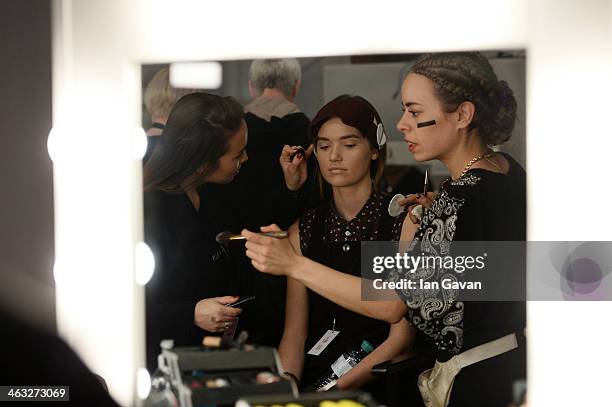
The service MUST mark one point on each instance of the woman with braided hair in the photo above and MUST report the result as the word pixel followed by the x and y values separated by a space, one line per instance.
pixel 455 110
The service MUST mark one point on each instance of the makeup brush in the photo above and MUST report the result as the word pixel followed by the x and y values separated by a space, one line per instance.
pixel 225 237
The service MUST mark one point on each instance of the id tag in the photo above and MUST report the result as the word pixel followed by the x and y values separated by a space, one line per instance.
pixel 323 342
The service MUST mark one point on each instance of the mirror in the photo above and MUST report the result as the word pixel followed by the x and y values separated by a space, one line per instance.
pixel 377 78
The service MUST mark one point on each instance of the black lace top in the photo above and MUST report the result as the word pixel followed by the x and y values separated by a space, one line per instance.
pixel 340 230
pixel 331 240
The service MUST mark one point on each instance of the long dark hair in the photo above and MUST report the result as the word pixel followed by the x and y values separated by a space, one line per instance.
pixel 194 138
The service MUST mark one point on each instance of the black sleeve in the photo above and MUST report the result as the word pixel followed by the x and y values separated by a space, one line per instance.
pixel 168 314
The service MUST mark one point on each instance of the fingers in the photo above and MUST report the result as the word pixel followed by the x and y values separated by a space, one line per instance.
pixel 288 151
pixel 228 299
pixel 413 218
pixel 309 150
pixel 222 319
pixel 270 228
pixel 225 314
pixel 252 236
pixel 417 199
pixel 260 239
pixel 255 256
pixel 258 266
pixel 222 326
pixel 229 313
pixel 408 200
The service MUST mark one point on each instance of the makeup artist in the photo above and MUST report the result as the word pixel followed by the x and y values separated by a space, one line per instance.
pixel 204 142
pixel 454 108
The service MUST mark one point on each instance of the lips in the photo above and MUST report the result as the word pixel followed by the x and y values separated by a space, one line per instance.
pixel 335 170
pixel 411 146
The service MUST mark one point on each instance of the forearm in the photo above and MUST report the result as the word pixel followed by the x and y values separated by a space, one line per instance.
pixel 400 338
pixel 291 352
pixel 362 373
pixel 345 290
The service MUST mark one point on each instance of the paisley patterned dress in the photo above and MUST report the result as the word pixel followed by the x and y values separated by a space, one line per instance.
pixel 480 206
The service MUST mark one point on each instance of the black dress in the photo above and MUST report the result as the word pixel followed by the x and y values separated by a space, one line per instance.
pixel 480 206
pixel 329 239
pixel 256 197
pixel 189 266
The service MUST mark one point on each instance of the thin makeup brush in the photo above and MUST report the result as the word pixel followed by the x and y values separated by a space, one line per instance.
pixel 227 236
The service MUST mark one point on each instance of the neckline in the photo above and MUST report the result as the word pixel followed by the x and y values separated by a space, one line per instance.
pixel 360 214
pixel 510 167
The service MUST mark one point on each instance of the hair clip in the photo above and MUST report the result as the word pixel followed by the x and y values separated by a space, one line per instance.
pixel 381 137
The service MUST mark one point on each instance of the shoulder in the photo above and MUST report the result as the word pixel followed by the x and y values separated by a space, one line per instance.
pixel 490 185
pixel 308 216
pixel 490 205
pixel 294 126
pixel 393 224
pixel 297 117
pixel 304 226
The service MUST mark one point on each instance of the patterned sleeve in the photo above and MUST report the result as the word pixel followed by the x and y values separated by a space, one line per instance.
pixel 306 221
pixel 438 312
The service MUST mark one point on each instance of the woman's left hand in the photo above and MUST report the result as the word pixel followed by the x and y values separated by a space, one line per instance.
pixel 268 254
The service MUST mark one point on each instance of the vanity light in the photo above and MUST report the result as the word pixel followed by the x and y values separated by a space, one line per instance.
pixel 196 75
pixel 144 263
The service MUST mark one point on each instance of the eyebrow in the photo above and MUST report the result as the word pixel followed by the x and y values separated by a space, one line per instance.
pixel 408 104
pixel 341 138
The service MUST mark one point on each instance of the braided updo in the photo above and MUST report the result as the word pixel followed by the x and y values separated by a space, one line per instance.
pixel 468 76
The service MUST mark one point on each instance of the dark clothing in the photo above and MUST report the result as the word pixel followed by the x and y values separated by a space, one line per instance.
pixel 36 358
pixel 327 238
pixel 411 182
pixel 258 197
pixel 152 142
pixel 480 206
pixel 189 266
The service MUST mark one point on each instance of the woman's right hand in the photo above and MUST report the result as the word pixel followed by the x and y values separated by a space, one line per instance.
pixel 410 201
pixel 295 171
pixel 213 314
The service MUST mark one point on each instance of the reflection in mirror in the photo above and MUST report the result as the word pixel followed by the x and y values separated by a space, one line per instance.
pixel 242 176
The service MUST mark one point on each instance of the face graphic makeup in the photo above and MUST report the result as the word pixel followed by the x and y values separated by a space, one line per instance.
pixel 426 124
